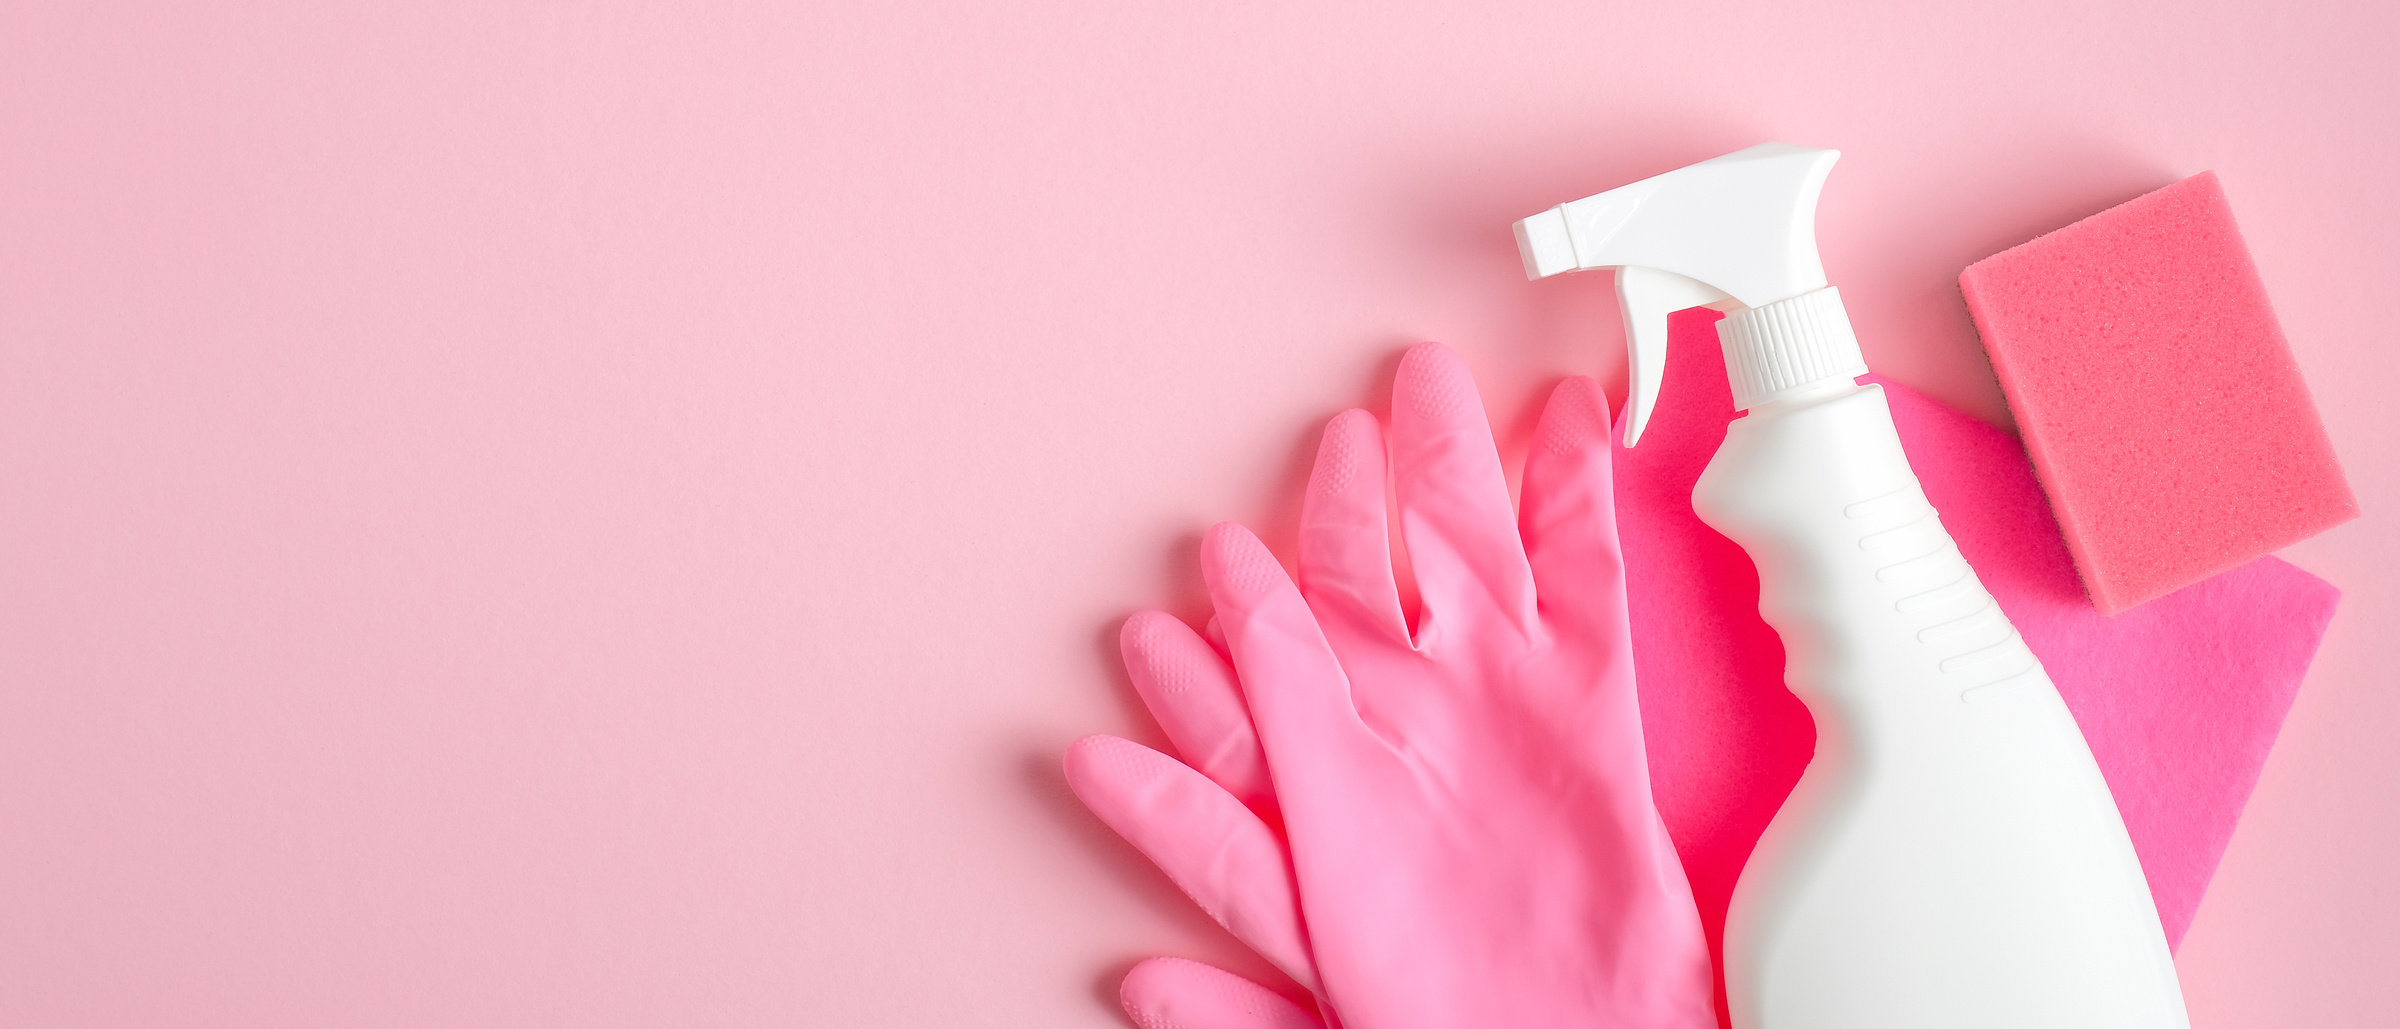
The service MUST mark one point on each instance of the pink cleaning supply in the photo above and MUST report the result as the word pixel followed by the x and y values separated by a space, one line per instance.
pixel 2156 394
pixel 2179 699
pixel 1468 808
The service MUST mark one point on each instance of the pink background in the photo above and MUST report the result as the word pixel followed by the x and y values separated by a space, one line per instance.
pixel 606 515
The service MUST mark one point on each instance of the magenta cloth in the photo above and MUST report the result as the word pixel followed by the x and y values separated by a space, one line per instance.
pixel 2180 698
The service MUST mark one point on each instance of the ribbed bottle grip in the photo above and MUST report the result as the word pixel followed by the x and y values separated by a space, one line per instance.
pixel 1787 345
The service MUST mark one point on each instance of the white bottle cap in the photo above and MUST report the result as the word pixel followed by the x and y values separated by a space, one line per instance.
pixel 1789 346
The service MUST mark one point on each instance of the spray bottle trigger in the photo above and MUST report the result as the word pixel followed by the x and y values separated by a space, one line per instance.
pixel 1647 296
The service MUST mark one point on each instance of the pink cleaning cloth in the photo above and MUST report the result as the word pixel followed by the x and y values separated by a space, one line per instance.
pixel 2180 698
pixel 2158 398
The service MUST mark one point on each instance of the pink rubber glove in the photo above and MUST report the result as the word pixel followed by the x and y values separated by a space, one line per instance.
pixel 1212 826
pixel 1469 823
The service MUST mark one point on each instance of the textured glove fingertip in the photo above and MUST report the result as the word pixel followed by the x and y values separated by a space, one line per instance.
pixel 1173 993
pixel 1576 417
pixel 1104 769
pixel 1239 568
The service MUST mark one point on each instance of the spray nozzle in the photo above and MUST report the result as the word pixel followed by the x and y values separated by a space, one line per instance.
pixel 1735 232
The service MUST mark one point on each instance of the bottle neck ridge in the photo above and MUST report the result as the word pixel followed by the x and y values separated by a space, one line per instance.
pixel 1792 349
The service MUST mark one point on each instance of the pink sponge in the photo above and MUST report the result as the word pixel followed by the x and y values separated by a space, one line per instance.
pixel 2156 394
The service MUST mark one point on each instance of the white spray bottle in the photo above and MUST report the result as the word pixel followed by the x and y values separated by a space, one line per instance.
pixel 1951 858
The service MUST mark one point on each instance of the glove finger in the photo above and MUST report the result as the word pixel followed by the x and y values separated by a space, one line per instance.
pixel 1345 536
pixel 1299 697
pixel 1190 689
pixel 1455 515
pixel 1172 993
pixel 1214 849
pixel 1570 516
